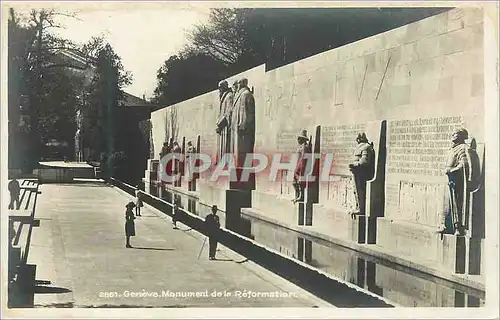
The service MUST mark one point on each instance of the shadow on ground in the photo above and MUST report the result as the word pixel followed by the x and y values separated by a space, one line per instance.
pixel 160 249
pixel 21 293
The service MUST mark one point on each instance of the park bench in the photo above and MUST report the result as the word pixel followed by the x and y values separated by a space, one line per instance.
pixel 21 222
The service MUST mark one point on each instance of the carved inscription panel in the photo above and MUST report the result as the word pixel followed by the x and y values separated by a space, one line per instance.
pixel 341 142
pixel 286 141
pixel 419 146
pixel 209 143
pixel 340 193
pixel 286 144
pixel 416 186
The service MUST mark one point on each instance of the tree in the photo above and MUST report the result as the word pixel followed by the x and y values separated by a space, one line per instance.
pixel 232 36
pixel 51 86
pixel 19 39
pixel 37 86
pixel 245 37
pixel 104 94
pixel 187 75
pixel 236 39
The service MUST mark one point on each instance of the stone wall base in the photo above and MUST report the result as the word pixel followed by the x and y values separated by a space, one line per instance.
pixel 276 207
pixel 338 223
pixel 212 194
pixel 458 254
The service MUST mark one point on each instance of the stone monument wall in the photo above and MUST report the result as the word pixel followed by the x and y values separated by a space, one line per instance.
pixel 430 68
pixel 424 79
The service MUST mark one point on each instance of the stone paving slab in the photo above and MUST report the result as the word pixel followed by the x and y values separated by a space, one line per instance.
pixel 80 246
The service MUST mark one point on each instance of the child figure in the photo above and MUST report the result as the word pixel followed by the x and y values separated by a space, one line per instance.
pixel 129 223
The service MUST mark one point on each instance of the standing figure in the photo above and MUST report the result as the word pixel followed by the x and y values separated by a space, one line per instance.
pixel 129 223
pixel 242 123
pixel 164 149
pixel 176 163
pixel 223 122
pixel 189 165
pixel 14 190
pixel 212 226
pixel 299 183
pixel 176 214
pixel 460 172
pixel 235 87
pixel 138 201
pixel 363 169
pixel 170 144
pixel 167 147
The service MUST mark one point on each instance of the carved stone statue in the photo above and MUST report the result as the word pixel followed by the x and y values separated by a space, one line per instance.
pixel 235 87
pixel 176 163
pixel 224 119
pixel 164 149
pixel 363 169
pixel 299 172
pixel 462 170
pixel 243 123
pixel 78 145
pixel 188 163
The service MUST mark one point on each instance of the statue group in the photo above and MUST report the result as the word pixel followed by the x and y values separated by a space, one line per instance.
pixel 462 170
pixel 236 130
pixel 236 121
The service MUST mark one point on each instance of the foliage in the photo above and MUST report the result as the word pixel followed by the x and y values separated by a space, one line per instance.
pixel 40 93
pixel 50 87
pixel 236 39
pixel 246 37
pixel 103 95
pixel 186 75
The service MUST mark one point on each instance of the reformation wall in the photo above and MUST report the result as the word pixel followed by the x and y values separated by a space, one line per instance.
pixel 408 90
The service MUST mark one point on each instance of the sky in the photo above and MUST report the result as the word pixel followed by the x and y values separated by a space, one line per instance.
pixel 144 35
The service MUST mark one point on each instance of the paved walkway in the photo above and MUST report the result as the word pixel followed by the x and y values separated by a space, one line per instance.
pixel 82 261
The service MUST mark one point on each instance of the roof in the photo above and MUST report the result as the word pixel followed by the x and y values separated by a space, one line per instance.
pixel 77 60
pixel 133 101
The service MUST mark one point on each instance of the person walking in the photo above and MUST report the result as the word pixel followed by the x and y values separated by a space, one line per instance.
pixel 138 202
pixel 129 223
pixel 15 190
pixel 175 214
pixel 212 226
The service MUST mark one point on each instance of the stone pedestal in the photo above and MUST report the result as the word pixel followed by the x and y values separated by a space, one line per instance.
pixel 456 254
pixel 337 196
pixel 338 223
pixel 212 194
pixel 410 239
pixel 151 177
pixel 276 207
pixel 236 200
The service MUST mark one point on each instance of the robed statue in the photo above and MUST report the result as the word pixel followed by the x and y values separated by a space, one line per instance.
pixel 242 123
pixel 223 128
